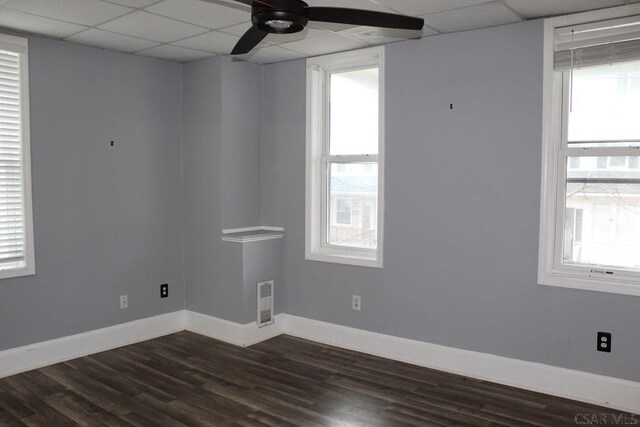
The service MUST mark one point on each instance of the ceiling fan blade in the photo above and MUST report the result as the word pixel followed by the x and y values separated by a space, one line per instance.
pixel 249 40
pixel 249 2
pixel 364 17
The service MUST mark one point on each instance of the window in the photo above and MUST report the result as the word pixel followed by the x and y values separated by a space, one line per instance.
pixel 16 230
pixel 590 214
pixel 345 158
pixel 343 211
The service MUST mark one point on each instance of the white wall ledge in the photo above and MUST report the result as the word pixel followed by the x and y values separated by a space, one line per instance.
pixel 252 234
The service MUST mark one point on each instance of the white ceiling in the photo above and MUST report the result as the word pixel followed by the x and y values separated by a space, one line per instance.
pixel 187 30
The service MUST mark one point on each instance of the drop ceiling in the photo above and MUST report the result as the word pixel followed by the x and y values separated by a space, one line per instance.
pixel 188 30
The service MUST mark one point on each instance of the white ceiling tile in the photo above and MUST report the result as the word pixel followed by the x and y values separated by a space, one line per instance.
pixel 422 7
pixel 36 24
pixel 174 53
pixel 85 12
pixel 538 8
pixel 134 3
pixel 238 29
pixel 467 18
pixel 114 41
pixel 214 42
pixel 325 43
pixel 152 27
pixel 271 54
pixel 353 4
pixel 376 36
pixel 206 14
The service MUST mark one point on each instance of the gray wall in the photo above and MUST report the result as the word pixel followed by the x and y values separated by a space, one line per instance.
pixel 108 220
pixel 261 261
pixel 221 170
pixel 202 175
pixel 462 209
pixel 240 138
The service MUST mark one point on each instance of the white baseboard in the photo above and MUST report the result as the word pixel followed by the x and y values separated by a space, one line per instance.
pixel 33 356
pixel 45 353
pixel 577 385
pixel 231 332
pixel 568 383
pixel 213 327
pixel 254 335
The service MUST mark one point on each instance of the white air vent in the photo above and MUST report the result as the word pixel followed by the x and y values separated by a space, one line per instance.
pixel 265 303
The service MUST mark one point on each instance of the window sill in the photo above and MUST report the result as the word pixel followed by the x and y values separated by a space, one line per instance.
pixel 588 284
pixel 17 272
pixel 344 258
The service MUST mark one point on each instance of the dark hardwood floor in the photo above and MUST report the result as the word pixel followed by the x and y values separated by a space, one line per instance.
pixel 188 379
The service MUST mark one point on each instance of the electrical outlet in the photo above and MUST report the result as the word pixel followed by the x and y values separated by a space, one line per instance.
pixel 164 290
pixel 356 302
pixel 604 342
pixel 124 302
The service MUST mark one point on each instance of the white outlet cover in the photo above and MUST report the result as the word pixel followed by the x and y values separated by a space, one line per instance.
pixel 356 302
pixel 124 302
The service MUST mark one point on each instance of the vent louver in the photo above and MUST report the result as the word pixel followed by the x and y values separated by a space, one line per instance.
pixel 265 303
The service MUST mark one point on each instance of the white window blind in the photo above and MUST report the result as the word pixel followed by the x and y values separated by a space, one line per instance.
pixel 16 246
pixel 11 204
pixel 597 43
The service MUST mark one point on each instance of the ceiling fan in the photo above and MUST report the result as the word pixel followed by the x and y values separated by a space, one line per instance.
pixel 291 16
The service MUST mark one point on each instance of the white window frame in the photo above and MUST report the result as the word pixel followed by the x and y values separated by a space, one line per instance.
pixel 21 46
pixel 318 69
pixel 551 271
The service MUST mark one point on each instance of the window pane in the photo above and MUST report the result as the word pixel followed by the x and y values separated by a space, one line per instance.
pixel 569 225
pixel 626 223
pixel 602 221
pixel 602 215
pixel 605 103
pixel 578 226
pixel 354 112
pixel 574 163
pixel 602 162
pixel 343 210
pixel 353 205
pixel 618 162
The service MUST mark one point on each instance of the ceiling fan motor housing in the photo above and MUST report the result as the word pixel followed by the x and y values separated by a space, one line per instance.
pixel 283 17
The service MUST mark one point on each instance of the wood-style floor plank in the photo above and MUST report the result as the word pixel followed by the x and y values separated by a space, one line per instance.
pixel 187 379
